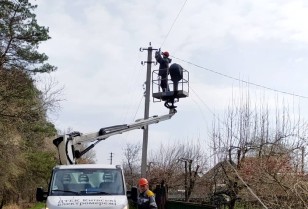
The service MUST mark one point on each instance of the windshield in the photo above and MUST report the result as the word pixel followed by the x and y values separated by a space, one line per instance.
pixel 68 182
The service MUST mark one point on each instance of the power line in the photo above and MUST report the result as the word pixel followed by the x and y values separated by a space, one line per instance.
pixel 213 113
pixel 136 76
pixel 138 106
pixel 173 24
pixel 243 81
pixel 224 75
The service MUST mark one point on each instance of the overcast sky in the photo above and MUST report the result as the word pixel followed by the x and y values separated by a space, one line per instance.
pixel 95 45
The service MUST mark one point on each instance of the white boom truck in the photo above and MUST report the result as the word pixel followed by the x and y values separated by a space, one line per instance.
pixel 90 186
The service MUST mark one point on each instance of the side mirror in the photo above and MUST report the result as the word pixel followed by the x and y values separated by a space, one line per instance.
pixel 40 194
pixel 133 194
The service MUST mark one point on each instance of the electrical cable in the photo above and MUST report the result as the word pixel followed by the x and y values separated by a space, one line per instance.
pixel 202 101
pixel 136 76
pixel 134 117
pixel 240 80
pixel 138 106
pixel 214 115
pixel 203 115
pixel 173 24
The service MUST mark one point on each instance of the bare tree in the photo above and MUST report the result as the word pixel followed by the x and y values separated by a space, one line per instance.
pixel 264 147
pixel 132 163
pixel 51 93
pixel 169 166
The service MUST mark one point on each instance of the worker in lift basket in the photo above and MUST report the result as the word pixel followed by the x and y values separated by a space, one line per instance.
pixel 163 68
pixel 146 199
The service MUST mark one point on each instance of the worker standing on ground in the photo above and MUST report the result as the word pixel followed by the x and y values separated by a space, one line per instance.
pixel 163 68
pixel 146 199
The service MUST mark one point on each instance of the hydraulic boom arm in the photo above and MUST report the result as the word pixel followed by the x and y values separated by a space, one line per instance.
pixel 66 143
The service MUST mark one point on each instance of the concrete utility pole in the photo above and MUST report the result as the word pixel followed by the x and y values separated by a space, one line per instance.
pixel 146 109
pixel 185 160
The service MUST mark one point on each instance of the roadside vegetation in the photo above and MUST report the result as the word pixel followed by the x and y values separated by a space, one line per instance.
pixel 25 151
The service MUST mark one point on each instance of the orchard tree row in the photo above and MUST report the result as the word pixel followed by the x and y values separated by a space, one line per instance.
pixel 256 158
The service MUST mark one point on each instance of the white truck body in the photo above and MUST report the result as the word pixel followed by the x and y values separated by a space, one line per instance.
pixel 87 186
pixel 91 186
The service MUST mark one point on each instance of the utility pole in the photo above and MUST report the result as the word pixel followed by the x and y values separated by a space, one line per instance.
pixel 185 160
pixel 303 160
pixel 146 109
pixel 186 186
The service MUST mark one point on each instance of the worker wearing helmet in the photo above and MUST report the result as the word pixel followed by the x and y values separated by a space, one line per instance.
pixel 146 199
pixel 163 60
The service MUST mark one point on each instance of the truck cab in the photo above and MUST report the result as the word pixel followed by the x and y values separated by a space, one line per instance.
pixel 86 186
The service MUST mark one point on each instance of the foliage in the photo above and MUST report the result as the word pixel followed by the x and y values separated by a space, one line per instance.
pixel 20 37
pixel 38 205
pixel 24 127
pixel 24 133
pixel 40 164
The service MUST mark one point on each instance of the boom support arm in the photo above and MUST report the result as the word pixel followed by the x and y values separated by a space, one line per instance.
pixel 66 143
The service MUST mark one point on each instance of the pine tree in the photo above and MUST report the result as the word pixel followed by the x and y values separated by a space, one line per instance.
pixel 20 36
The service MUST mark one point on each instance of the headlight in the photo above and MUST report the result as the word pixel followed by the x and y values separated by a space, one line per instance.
pixel 126 207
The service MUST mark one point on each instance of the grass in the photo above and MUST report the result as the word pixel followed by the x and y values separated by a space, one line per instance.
pixel 38 205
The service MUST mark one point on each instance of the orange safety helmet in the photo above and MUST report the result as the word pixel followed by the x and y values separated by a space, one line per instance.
pixel 143 181
pixel 166 54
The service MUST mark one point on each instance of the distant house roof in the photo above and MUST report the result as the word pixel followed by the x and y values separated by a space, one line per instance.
pixel 221 171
